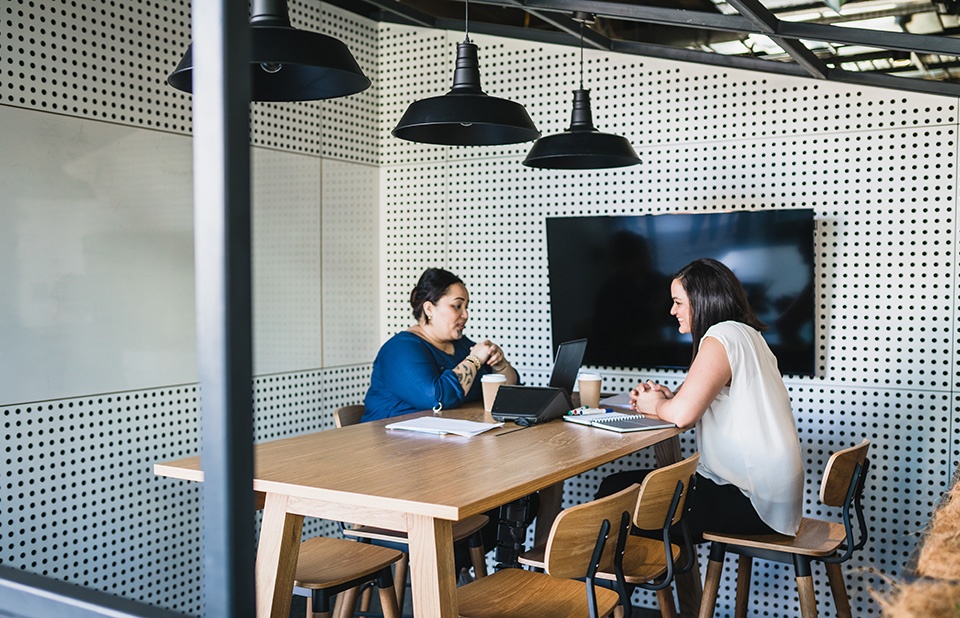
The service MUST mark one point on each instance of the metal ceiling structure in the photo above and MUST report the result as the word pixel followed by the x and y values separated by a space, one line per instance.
pixel 900 44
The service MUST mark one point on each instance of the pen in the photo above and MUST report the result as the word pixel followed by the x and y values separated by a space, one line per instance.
pixel 585 410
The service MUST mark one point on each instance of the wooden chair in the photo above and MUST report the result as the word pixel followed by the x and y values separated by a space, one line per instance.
pixel 348 415
pixel 468 529
pixel 644 561
pixel 582 542
pixel 829 542
pixel 328 566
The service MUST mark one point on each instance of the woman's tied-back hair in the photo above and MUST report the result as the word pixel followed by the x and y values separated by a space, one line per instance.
pixel 433 284
pixel 715 295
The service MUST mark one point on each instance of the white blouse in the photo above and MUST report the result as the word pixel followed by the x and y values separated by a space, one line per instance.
pixel 748 436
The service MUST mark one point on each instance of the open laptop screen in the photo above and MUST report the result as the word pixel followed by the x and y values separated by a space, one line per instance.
pixel 567 365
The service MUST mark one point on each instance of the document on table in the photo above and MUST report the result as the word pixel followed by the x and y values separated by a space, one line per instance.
pixel 618 402
pixel 440 426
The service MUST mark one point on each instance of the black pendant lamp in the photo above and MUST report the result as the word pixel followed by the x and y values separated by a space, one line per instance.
pixel 581 146
pixel 288 64
pixel 466 116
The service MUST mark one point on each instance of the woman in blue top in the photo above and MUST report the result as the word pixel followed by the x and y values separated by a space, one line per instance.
pixel 431 364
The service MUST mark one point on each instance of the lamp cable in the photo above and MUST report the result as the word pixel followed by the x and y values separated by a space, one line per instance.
pixel 581 55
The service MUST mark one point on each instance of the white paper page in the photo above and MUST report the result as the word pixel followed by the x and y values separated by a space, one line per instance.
pixel 438 425
pixel 618 402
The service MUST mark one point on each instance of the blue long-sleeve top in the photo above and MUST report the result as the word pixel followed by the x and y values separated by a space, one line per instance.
pixel 410 375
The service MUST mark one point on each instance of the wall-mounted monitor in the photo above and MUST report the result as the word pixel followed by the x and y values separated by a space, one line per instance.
pixel 610 281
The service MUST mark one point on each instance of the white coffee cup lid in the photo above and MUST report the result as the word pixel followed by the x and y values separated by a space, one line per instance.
pixel 589 376
pixel 493 377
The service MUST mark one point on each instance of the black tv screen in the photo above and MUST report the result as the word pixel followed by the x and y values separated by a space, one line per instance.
pixel 610 281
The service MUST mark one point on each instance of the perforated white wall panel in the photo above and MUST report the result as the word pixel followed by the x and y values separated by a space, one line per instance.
pixel 110 61
pixel 878 168
pixel 286 261
pixel 100 60
pixel 351 263
pixel 96 224
pixel 81 502
pixel 338 128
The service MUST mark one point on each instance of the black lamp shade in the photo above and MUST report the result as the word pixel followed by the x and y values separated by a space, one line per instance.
pixel 581 151
pixel 288 64
pixel 581 146
pixel 466 116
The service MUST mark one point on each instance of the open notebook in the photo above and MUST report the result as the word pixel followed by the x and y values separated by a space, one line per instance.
pixel 622 423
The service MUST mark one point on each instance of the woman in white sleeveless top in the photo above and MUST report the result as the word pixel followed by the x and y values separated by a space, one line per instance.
pixel 750 477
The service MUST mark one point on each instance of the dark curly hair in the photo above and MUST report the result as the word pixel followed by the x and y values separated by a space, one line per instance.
pixel 715 295
pixel 433 284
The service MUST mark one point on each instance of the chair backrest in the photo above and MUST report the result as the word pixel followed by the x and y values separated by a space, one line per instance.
pixel 839 471
pixel 348 415
pixel 657 491
pixel 573 536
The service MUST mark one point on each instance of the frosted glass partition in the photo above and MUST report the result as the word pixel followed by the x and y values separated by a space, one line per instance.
pixel 97 247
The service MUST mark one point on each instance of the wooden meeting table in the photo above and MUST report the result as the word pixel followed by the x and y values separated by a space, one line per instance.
pixel 421 484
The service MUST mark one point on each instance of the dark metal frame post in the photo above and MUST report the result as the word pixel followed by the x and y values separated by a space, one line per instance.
pixel 221 176
pixel 28 595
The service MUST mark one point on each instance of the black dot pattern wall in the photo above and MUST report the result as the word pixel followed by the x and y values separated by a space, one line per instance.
pixel 878 167
pixel 81 502
pixel 78 498
pixel 346 217
pixel 110 61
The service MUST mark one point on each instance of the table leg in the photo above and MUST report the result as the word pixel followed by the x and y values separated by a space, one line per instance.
pixel 432 578
pixel 551 503
pixel 668 451
pixel 277 557
pixel 689 586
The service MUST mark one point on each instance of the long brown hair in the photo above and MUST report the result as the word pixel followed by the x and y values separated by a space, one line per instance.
pixel 715 295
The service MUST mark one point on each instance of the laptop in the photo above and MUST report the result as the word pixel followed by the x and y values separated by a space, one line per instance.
pixel 527 405
pixel 566 367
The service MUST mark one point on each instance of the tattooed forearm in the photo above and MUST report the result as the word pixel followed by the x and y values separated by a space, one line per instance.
pixel 466 373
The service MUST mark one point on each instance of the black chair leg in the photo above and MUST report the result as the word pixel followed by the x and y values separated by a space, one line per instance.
pixel 477 555
pixel 321 602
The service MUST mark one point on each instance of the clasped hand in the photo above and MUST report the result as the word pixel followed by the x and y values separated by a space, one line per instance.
pixel 646 396
pixel 490 353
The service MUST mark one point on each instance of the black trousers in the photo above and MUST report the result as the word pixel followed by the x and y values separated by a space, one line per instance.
pixel 713 507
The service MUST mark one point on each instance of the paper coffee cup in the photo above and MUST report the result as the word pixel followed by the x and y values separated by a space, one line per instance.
pixel 589 384
pixel 491 383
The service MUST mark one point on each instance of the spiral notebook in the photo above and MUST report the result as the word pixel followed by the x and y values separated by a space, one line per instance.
pixel 621 423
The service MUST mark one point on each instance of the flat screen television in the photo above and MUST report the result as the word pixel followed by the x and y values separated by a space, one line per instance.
pixel 610 282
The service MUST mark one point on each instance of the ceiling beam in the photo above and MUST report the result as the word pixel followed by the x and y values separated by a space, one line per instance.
pixel 883 80
pixel 768 23
pixel 408 13
pixel 747 63
pixel 636 12
pixel 568 25
pixel 877 39
pixel 682 54
pixel 923 43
